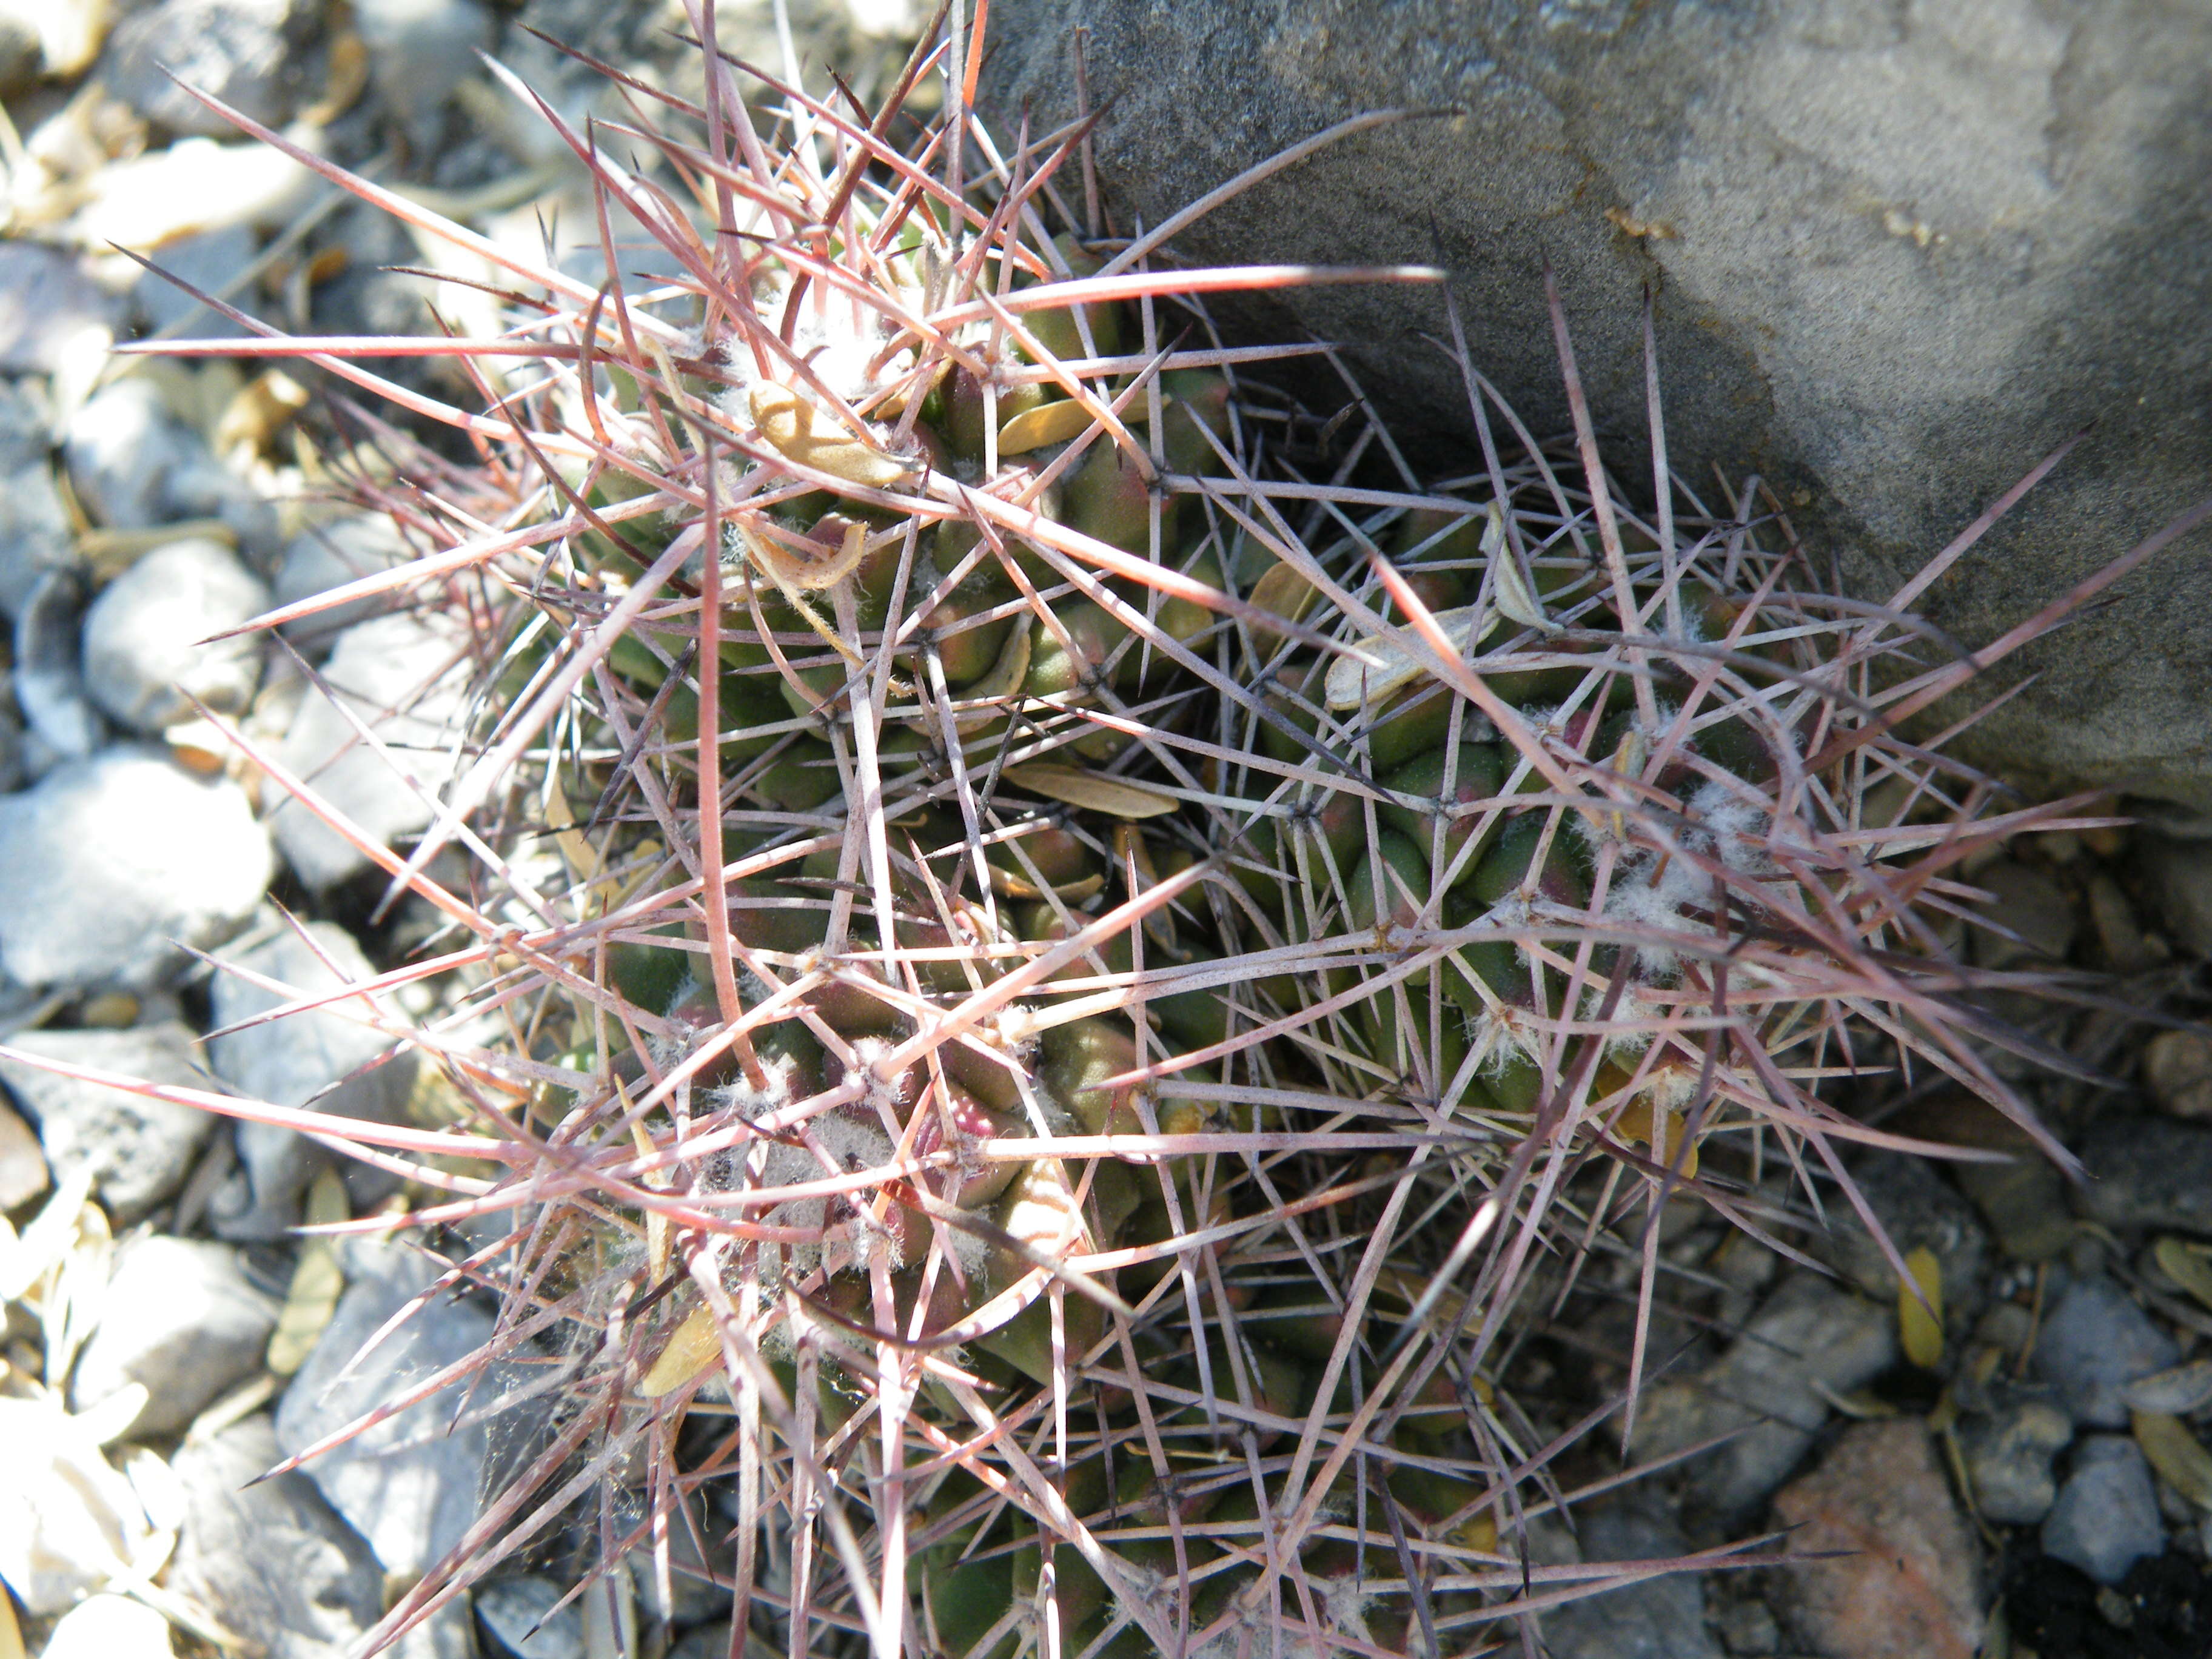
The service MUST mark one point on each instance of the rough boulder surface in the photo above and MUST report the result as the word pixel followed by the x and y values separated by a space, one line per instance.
pixel 1902 252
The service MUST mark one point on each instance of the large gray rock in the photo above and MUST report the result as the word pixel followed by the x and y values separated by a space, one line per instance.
pixel 1901 251
pixel 139 1149
pixel 405 678
pixel 322 1059
pixel 149 650
pixel 181 1317
pixel 272 1561
pixel 111 863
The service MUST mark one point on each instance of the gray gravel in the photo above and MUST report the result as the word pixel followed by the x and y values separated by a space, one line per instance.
pixel 183 1318
pixel 149 650
pixel 112 864
pixel 2106 1518
pixel 2095 1340
pixel 138 1149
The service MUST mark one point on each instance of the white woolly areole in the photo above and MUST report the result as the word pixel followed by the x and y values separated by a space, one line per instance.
pixel 1345 1602
pixel 1655 890
pixel 835 337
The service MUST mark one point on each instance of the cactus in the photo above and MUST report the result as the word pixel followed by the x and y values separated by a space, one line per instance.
pixel 1059 1007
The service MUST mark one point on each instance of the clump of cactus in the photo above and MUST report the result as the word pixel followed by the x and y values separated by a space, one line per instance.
pixel 1059 973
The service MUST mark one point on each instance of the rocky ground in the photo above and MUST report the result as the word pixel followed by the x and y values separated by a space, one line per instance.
pixel 2031 1483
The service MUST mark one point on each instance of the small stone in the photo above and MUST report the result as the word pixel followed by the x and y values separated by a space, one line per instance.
pixel 693 1596
pixel 110 1627
pixel 19 48
pixel 518 1615
pixel 2094 1341
pixel 1809 1332
pixel 1658 1618
pixel 2147 1172
pixel 234 50
pixel 2177 1070
pixel 48 680
pixel 2120 934
pixel 321 1058
pixel 1904 1585
pixel 68 33
pixel 1747 1625
pixel 409 1485
pixel 181 1317
pixel 208 261
pixel 110 864
pixel 2024 1202
pixel 183 189
pixel 22 1165
pixel 134 464
pixel 707 1642
pixel 406 678
pixel 46 298
pixel 2029 903
pixel 2008 1461
pixel 418 51
pixel 71 1521
pixel 330 556
pixel 34 528
pixel 2179 873
pixel 1918 1210
pixel 139 1150
pixel 272 1561
pixel 148 646
pixel 2106 1518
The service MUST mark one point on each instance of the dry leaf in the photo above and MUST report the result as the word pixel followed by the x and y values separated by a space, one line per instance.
pixel 695 1346
pixel 71 1521
pixel 2178 1390
pixel 1078 787
pixel 812 438
pixel 795 573
pixel 317 1280
pixel 1920 1323
pixel 2175 1454
pixel 1377 665
pixel 1008 885
pixel 1661 1131
pixel 1283 592
pixel 2184 1264
pixel 25 1259
pixel 1517 600
pixel 1048 423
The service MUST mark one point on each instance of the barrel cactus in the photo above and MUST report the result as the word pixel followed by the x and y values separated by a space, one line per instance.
pixel 1058 977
